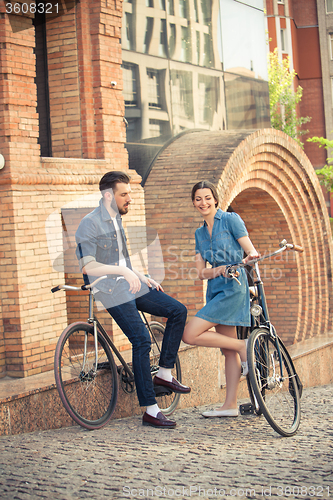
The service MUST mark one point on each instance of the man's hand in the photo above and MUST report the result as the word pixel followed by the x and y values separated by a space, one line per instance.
pixel 150 282
pixel 153 283
pixel 133 280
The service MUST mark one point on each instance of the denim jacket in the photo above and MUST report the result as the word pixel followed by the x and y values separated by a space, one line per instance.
pixel 222 247
pixel 96 240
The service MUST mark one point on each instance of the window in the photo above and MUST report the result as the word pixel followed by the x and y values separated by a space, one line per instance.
pixel 42 84
pixel 183 8
pixel 206 11
pixel 182 94
pixel 280 1
pixel 162 48
pixel 133 129
pixel 330 42
pixel 198 47
pixel 156 128
pixel 185 51
pixel 130 85
pixel 172 39
pixel 329 5
pixel 128 43
pixel 154 92
pixel 149 34
pixel 196 11
pixel 208 51
pixel 206 98
pixel 283 40
pixel 171 7
pixel 332 90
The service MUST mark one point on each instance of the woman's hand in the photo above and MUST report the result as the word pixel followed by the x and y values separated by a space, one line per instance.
pixel 251 256
pixel 247 246
pixel 223 270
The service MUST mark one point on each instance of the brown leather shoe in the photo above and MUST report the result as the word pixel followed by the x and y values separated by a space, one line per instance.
pixel 159 421
pixel 175 386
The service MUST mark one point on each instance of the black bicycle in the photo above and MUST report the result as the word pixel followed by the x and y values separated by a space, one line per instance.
pixel 274 386
pixel 86 373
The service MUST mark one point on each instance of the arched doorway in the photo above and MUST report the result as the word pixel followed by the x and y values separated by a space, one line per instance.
pixel 266 178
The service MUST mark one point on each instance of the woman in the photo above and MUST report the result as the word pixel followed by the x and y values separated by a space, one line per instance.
pixel 221 241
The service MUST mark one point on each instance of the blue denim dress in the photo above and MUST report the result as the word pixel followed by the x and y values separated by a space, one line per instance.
pixel 227 302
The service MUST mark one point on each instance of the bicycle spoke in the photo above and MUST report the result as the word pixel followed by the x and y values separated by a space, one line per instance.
pixel 89 395
pixel 167 402
pixel 274 383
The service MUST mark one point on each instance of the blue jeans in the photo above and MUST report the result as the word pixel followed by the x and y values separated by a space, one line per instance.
pixel 127 316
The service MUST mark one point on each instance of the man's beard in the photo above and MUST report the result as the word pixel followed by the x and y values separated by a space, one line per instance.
pixel 124 210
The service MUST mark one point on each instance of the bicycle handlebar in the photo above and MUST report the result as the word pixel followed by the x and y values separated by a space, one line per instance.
pixel 231 269
pixel 298 248
pixel 78 288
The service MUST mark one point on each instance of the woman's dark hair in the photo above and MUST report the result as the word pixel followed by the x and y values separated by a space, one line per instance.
pixel 206 185
pixel 109 180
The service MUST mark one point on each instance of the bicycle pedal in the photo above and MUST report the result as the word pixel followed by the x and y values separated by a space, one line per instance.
pixel 162 391
pixel 246 409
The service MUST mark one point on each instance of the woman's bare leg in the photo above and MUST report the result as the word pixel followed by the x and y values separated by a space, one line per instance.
pixel 197 333
pixel 232 369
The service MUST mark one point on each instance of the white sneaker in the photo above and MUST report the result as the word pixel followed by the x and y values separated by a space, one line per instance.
pixel 220 413
pixel 244 368
pixel 244 365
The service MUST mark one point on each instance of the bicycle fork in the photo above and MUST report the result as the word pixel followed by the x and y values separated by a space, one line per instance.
pixel 90 374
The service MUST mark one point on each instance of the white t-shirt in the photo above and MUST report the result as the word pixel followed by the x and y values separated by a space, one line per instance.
pixel 122 260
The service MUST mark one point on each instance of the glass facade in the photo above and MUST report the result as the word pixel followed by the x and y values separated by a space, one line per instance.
pixel 174 70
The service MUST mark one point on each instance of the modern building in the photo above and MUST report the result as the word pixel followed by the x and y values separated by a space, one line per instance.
pixel 325 27
pixel 301 30
pixel 190 64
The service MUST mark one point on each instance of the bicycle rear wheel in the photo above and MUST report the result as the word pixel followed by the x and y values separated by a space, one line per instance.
pixel 88 392
pixel 166 401
pixel 274 382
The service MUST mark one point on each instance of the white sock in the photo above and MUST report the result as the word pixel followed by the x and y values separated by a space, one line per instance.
pixel 164 373
pixel 152 410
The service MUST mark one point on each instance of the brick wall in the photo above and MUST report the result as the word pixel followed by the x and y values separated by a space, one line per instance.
pixel 84 55
pixel 304 54
pixel 312 105
pixel 304 13
pixel 270 182
pixel 63 77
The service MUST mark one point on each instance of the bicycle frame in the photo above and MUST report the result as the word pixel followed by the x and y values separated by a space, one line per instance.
pixel 260 296
pixel 98 326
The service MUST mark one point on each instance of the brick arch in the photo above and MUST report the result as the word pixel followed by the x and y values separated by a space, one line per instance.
pixel 266 178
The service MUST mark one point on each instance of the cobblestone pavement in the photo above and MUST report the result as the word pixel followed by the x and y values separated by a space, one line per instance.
pixel 200 459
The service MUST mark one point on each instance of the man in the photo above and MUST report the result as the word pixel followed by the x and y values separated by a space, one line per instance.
pixel 102 250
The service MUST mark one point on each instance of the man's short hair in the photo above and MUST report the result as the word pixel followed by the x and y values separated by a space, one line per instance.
pixel 110 179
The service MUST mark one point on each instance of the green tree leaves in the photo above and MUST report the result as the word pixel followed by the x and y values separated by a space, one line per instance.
pixel 283 99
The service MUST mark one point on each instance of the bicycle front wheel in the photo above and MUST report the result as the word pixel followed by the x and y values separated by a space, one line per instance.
pixel 88 390
pixel 166 401
pixel 274 383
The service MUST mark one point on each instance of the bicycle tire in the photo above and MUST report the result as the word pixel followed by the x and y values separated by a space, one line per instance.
pixel 243 333
pixel 89 398
pixel 253 399
pixel 277 397
pixel 167 402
